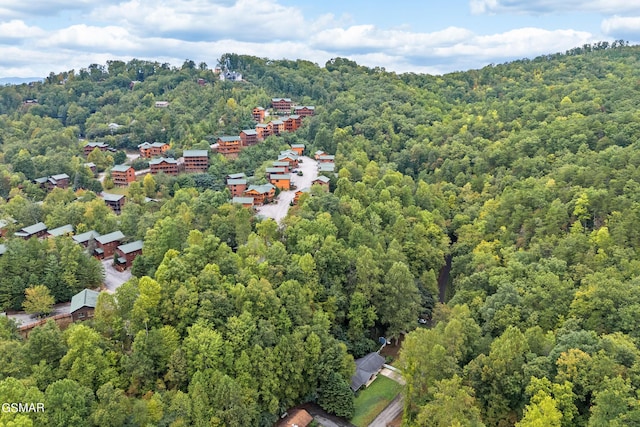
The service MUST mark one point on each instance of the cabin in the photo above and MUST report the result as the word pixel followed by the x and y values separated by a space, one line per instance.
pixel 249 137
pixel 106 245
pixel 290 157
pixel 326 158
pixel 282 105
pixel 60 231
pixel 282 164
pixel 149 150
pixel 60 180
pixel 261 194
pixel 298 149
pixel 304 110
pixel 126 254
pixel 239 175
pixel 237 186
pixel 258 114
pixel 161 104
pixel 322 181
pixel 327 167
pixel 92 167
pixel 114 201
pixel 318 153
pixel 196 161
pixel 89 147
pixel 283 182
pixel 263 131
pixel 299 193
pixel 292 123
pixel 168 166
pixel 83 304
pixel 367 369
pixel 122 175
pixel 246 202
pixel 85 239
pixel 277 171
pixel 276 127
pixel 35 230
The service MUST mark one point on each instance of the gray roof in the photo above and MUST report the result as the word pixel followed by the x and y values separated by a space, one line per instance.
pixel 265 188
pixel 236 175
pixel 229 138
pixel 300 107
pixel 280 164
pixel 41 180
pixel 3 248
pixel 32 229
pixel 85 237
pixel 326 157
pixel 236 181
pixel 261 125
pixel 280 176
pixel 59 231
pixel 274 170
pixel 163 159
pixel 277 122
pixel 322 178
pixel 5 222
pixel 249 132
pixel 111 237
pixel 195 153
pixel 326 167
pixel 60 176
pixel 131 247
pixel 242 200
pixel 366 367
pixel 281 99
pixel 90 165
pixel 148 144
pixel 108 197
pixel 84 298
pixel 120 168
pixel 297 145
pixel 96 144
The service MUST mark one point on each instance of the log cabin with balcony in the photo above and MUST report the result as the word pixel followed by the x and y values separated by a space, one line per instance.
pixel 283 182
pixel 246 202
pixel 167 166
pixel 106 244
pixel 36 230
pixel 114 201
pixel 83 305
pixel 126 254
pixel 282 105
pixel 258 114
pixel 196 161
pixel 263 131
pixel 123 175
pixel 249 137
pixel 89 147
pixel 229 146
pixel 304 110
pixel 298 149
pixel 237 186
pixel 150 150
pixel 322 181
pixel 282 164
pixel 261 194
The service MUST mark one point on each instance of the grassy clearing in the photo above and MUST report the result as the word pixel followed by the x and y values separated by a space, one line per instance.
pixel 372 400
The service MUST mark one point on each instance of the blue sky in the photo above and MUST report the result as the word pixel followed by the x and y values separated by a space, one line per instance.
pixel 38 36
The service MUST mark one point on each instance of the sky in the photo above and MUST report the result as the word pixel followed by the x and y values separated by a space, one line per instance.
pixel 436 37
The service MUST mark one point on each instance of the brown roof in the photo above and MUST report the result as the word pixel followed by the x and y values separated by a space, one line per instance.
pixel 298 417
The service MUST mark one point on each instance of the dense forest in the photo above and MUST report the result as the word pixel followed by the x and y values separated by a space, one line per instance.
pixel 501 204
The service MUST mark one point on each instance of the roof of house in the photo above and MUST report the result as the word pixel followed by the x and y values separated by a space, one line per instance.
pixel 280 164
pixel 284 176
pixel 261 125
pixel 96 144
pixel 195 153
pixel 280 99
pixel 90 165
pixel 297 145
pixel 130 247
pixel 302 107
pixel 163 160
pixel 304 190
pixel 294 116
pixel 60 176
pixel 120 168
pixel 298 418
pixel 84 298
pixel 111 237
pixel 85 237
pixel 32 229
pixel 229 138
pixel 324 179
pixel 239 181
pixel 277 122
pixel 326 167
pixel 108 197
pixel 154 144
pixel 242 200
pixel 262 189
pixel 319 152
pixel 59 231
pixel 326 157
pixel 366 367
pixel 236 175
pixel 249 132
pixel 41 180
pixel 275 170
pixel 5 222
pixel 258 108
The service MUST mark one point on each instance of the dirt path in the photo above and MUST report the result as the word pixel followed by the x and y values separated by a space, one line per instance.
pixel 278 210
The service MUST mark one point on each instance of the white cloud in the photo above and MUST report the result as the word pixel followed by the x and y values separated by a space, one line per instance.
pixel 622 26
pixel 28 8
pixel 16 29
pixel 92 39
pixel 553 6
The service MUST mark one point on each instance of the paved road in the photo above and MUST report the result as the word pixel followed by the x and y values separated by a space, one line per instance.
pixel 24 319
pixel 280 207
pixel 389 413
pixel 112 277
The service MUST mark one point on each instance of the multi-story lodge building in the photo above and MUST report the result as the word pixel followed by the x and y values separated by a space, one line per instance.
pixel 114 201
pixel 249 137
pixel 237 186
pixel 149 150
pixel 304 110
pixel 89 147
pixel 122 175
pixel 229 146
pixel 258 114
pixel 168 166
pixel 196 160
pixel 282 105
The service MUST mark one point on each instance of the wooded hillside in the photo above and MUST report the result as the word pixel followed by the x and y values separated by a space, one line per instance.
pixel 510 193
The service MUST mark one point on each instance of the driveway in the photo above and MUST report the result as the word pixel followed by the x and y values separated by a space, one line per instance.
pixel 112 277
pixel 389 413
pixel 279 208
pixel 23 319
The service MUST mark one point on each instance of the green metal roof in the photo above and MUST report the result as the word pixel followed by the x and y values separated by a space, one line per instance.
pixel 84 298
pixel 130 247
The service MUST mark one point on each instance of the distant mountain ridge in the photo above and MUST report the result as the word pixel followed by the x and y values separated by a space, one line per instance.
pixel 18 80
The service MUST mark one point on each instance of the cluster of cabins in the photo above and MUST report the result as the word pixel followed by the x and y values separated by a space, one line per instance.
pixel 101 246
pixel 230 146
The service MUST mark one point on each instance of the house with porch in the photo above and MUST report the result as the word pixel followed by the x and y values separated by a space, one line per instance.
pixel 83 305
pixel 282 105
pixel 304 110
pixel 258 114
pixel 166 165
pixel 35 230
pixel 298 149
pixel 322 181
pixel 126 254
pixel 196 161
pixel 122 175
pixel 283 182
pixel 85 239
pixel 89 147
pixel 246 202
pixel 237 186
pixel 249 137
pixel 114 201
pixel 106 244
pixel 149 150
pixel 261 194
pixel 60 231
